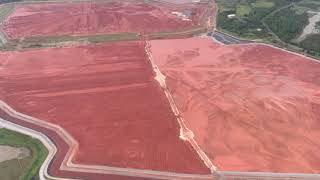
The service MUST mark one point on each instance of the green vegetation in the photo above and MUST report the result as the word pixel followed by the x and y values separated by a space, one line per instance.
pixel 57 41
pixel 5 11
pixel 9 1
pixel 318 26
pixel 27 168
pixel 263 4
pixel 312 44
pixel 113 37
pixel 17 1
pixel 90 38
pixel 176 34
pixel 278 22
pixel 243 10
pixel 312 5
pixel 248 22
pixel 287 24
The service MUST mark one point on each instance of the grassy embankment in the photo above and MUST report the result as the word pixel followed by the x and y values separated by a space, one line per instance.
pixel 26 168
pixel 5 11
pixel 59 41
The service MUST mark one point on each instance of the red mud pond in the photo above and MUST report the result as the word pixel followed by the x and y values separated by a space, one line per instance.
pixel 106 98
pixel 251 107
pixel 98 18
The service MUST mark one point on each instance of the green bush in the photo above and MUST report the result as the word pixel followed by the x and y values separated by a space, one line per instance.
pixel 247 23
pixel 287 24
pixel 311 43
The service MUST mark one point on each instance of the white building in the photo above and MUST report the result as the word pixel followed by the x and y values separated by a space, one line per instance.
pixel 231 16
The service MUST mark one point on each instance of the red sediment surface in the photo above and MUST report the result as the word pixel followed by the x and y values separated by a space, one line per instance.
pixel 62 148
pixel 251 107
pixel 106 98
pixel 96 18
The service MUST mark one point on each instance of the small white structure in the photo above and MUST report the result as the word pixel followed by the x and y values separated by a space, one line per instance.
pixel 231 16
pixel 181 15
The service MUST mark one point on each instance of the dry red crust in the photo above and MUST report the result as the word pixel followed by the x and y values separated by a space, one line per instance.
pixel 106 98
pixel 97 18
pixel 251 107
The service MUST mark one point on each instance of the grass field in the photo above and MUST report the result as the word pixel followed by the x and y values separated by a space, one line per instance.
pixel 263 4
pixel 186 33
pixel 58 41
pixel 243 10
pixel 24 169
pixel 90 38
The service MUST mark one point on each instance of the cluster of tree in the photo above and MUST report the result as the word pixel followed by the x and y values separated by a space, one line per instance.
pixel 240 26
pixel 318 26
pixel 287 24
pixel 312 44
pixel 250 24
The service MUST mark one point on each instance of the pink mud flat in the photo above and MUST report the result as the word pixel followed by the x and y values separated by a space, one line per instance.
pixel 97 18
pixel 106 98
pixel 251 107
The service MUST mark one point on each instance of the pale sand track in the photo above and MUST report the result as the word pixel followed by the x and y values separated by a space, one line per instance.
pixel 185 133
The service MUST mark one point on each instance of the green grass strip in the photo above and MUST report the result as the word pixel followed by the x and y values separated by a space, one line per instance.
pixel 38 150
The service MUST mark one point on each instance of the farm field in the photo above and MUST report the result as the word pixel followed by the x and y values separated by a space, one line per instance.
pixel 250 107
pixel 107 100
pixel 87 18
